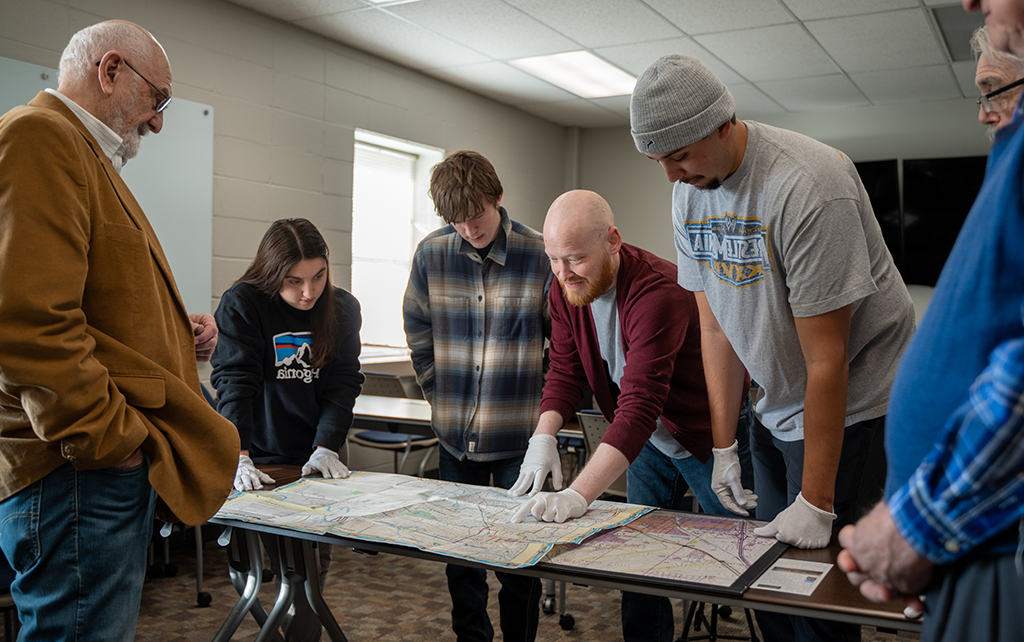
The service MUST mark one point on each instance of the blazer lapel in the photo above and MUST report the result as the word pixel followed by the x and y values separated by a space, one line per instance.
pixel 124 194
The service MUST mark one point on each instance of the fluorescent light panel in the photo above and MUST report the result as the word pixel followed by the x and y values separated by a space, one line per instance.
pixel 580 72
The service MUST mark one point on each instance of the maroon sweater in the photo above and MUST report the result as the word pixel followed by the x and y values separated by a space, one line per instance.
pixel 663 376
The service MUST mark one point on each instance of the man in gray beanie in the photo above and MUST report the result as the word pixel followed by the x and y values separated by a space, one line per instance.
pixel 776 237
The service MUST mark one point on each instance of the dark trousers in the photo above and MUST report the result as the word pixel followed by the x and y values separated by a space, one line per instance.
pixel 778 473
pixel 519 597
pixel 976 599
pixel 654 479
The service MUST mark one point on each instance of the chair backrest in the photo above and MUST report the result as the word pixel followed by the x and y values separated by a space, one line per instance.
pixel 382 385
pixel 593 424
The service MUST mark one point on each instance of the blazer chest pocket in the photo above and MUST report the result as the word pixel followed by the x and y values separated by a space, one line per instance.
pixel 122 279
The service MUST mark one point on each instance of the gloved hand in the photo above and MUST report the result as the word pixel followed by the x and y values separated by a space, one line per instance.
pixel 725 481
pixel 327 463
pixel 802 524
pixel 541 458
pixel 248 477
pixel 552 507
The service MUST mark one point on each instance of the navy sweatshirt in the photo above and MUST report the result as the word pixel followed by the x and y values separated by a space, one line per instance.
pixel 266 385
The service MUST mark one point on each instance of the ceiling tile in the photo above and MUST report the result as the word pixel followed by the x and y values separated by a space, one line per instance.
pixel 879 41
pixel 817 9
pixel 752 102
pixel 898 85
pixel 807 94
pixel 615 104
pixel 965 72
pixel 599 23
pixel 638 57
pixel 290 10
pixel 575 113
pixel 769 53
pixel 488 26
pixel 391 38
pixel 502 83
pixel 701 16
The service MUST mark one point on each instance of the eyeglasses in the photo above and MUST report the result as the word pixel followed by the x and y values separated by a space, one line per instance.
pixel 165 100
pixel 985 102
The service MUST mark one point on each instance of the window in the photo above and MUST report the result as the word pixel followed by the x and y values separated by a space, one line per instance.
pixel 391 213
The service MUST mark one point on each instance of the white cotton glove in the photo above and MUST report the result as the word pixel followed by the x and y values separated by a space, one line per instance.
pixel 725 481
pixel 248 477
pixel 541 458
pixel 552 507
pixel 326 462
pixel 803 525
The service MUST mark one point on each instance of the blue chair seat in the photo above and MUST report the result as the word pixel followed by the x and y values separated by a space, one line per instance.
pixel 385 437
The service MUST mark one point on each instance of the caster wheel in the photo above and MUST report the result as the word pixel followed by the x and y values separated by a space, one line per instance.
pixel 549 605
pixel 155 572
pixel 268 575
pixel 170 570
pixel 204 599
pixel 725 612
pixel 567 621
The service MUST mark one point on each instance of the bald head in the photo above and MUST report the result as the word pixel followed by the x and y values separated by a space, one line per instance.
pixel 580 217
pixel 583 244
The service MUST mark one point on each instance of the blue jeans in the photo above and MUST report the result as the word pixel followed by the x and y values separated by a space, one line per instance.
pixel 77 541
pixel 519 597
pixel 778 470
pixel 654 479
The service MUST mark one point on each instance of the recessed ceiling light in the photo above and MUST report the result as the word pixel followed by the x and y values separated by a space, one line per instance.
pixel 580 72
pixel 388 3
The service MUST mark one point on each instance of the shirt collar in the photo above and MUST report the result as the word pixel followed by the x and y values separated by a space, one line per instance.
pixel 111 144
pixel 500 247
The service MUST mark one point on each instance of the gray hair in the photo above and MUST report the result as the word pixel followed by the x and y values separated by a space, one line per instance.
pixel 90 44
pixel 981 44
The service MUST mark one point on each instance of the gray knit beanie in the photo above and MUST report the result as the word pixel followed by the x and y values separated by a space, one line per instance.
pixel 677 101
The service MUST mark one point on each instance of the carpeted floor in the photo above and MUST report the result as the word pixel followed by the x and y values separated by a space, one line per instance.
pixel 375 597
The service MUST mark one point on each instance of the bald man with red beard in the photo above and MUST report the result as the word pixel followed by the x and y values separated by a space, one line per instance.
pixel 621 323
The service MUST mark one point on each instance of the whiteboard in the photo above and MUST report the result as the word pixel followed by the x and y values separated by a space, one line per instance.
pixel 172 178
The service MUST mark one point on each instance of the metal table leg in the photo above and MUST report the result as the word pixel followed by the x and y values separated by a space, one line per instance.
pixel 245 565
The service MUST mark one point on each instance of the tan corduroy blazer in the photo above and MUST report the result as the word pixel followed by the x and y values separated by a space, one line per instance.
pixel 96 348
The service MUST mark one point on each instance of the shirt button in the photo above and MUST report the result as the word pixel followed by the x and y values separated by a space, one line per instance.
pixel 480 297
pixel 478 368
pixel 952 546
pixel 69 451
pixel 480 333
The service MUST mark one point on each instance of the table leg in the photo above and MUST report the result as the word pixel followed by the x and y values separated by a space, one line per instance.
pixel 245 564
pixel 315 595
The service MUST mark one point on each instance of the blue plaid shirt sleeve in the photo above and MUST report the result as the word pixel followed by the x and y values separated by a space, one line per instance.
pixel 971 485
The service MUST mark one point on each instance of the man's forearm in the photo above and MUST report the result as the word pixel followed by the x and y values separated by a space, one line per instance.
pixel 824 426
pixel 724 374
pixel 604 467
pixel 550 423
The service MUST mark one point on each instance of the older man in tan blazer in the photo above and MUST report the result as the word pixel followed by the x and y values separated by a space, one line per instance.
pixel 101 415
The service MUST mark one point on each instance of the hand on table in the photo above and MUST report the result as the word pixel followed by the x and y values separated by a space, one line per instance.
pixel 205 328
pixel 327 463
pixel 725 481
pixel 876 558
pixel 552 507
pixel 541 458
pixel 248 477
pixel 802 524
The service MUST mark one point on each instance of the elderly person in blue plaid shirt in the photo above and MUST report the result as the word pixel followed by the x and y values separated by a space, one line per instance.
pixel 950 536
pixel 476 318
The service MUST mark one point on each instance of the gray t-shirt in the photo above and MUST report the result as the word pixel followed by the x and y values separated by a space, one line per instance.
pixel 792 234
pixel 606 322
